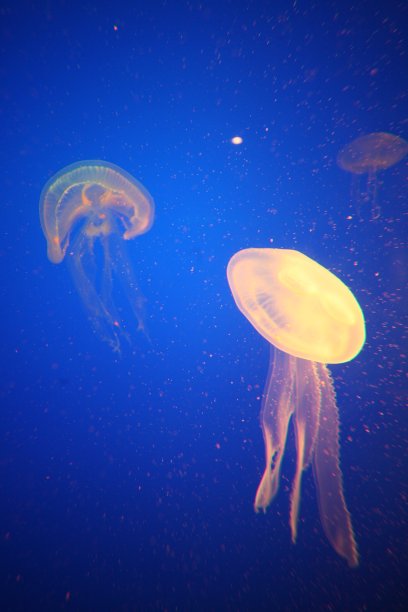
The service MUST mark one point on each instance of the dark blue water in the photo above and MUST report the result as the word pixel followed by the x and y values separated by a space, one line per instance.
pixel 127 482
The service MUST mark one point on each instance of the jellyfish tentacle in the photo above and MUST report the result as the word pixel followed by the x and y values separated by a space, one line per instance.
pixel 334 514
pixel 372 189
pixel 84 270
pixel 277 408
pixel 123 271
pixel 306 423
pixel 356 197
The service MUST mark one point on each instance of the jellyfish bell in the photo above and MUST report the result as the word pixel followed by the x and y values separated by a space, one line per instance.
pixel 376 151
pixel 84 191
pixel 369 154
pixel 297 304
pixel 310 318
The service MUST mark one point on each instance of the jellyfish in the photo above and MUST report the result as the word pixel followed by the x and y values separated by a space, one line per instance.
pixel 367 155
pixel 88 211
pixel 310 318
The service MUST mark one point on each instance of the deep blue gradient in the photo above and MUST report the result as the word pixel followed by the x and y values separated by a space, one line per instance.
pixel 127 482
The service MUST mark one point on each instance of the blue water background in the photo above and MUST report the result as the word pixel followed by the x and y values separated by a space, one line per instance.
pixel 127 482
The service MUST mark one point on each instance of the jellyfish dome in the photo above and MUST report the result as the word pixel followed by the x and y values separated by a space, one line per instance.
pixel 297 304
pixel 92 190
pixel 372 152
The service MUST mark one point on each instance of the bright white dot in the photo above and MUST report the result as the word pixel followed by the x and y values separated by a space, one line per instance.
pixel 237 140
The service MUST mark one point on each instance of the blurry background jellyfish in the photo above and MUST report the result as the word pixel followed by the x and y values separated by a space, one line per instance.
pixel 367 155
pixel 88 210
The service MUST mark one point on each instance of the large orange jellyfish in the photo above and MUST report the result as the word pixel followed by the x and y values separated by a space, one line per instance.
pixel 367 155
pixel 87 211
pixel 310 318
